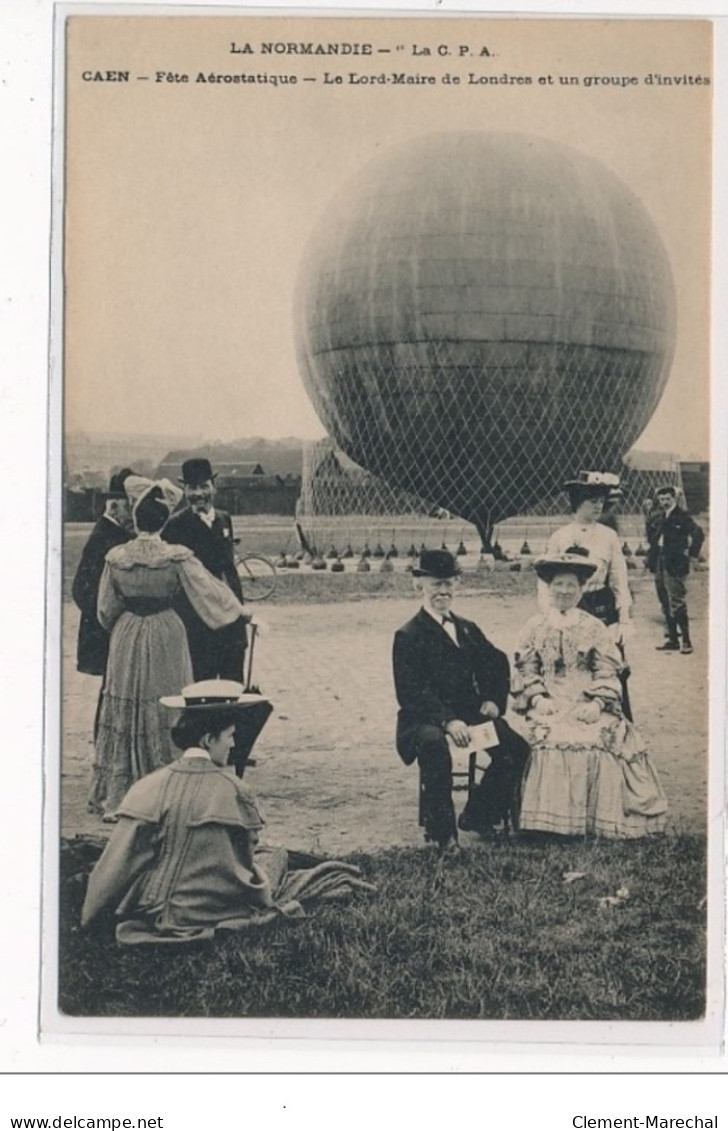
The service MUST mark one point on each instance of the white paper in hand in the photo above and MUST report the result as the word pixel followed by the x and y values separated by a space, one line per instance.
pixel 483 737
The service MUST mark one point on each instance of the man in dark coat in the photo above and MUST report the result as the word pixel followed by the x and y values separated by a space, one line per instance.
pixel 113 528
pixel 215 653
pixel 449 677
pixel 675 537
pixel 208 532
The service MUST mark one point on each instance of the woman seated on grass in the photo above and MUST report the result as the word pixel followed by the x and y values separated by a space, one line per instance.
pixel 589 771
pixel 181 863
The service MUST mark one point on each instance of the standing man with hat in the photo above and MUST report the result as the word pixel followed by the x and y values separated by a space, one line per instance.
pixel 675 537
pixel 449 677
pixel 112 529
pixel 208 532
pixel 215 653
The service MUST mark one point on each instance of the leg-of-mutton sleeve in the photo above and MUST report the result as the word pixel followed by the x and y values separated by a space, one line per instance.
pixel 605 664
pixel 617 578
pixel 213 600
pixel 109 604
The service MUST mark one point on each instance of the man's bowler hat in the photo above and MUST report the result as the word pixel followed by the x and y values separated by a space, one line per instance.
pixel 439 564
pixel 196 471
pixel 667 489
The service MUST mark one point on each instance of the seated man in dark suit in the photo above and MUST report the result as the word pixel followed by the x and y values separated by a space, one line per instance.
pixel 448 677
pixel 215 653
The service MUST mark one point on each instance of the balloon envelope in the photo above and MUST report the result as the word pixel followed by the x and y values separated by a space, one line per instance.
pixel 481 315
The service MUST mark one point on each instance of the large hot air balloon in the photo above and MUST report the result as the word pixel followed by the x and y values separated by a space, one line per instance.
pixel 478 314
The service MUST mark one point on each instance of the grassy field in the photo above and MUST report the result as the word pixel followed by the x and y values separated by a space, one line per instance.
pixel 499 934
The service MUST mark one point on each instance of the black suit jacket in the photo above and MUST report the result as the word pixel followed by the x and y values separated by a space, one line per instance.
pixel 213 546
pixel 93 640
pixel 682 539
pixel 437 681
pixel 213 652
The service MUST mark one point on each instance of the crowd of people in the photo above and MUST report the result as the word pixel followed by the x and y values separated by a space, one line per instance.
pixel 164 625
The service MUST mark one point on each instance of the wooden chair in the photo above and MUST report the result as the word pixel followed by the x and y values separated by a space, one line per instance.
pixel 462 780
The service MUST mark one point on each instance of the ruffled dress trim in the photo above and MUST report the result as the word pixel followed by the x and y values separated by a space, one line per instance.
pixel 150 552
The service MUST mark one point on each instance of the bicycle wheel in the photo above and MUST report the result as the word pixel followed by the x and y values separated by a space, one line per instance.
pixel 257 576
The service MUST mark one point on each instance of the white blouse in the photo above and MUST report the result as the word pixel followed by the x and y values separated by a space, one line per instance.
pixel 603 547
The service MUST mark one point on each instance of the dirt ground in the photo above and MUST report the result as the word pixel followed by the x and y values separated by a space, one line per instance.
pixel 327 773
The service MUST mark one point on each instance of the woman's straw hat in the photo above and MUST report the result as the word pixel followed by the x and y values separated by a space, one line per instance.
pixel 212 695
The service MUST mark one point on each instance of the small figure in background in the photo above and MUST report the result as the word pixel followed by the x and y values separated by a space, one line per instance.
pixel 675 537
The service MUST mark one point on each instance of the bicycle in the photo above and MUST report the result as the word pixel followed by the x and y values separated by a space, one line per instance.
pixel 257 575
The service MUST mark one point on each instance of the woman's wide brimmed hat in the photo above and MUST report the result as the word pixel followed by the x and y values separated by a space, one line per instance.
pixel 212 695
pixel 596 482
pixel 439 564
pixel 548 568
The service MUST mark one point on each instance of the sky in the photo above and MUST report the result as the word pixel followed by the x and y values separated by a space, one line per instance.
pixel 189 205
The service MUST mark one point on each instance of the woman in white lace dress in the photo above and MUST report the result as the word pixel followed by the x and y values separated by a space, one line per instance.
pixel 589 772
pixel 148 651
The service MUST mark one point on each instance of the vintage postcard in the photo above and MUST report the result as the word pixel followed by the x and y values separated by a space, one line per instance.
pixel 381 380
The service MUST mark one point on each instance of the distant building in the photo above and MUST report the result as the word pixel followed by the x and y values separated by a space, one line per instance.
pixel 644 472
pixel 695 475
pixel 228 471
pixel 242 485
pixel 99 454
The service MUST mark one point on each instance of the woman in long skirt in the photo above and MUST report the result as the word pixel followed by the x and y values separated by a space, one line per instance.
pixel 589 772
pixel 148 652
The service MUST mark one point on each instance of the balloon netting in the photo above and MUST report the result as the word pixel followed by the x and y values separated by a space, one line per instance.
pixel 342 507
pixel 381 401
